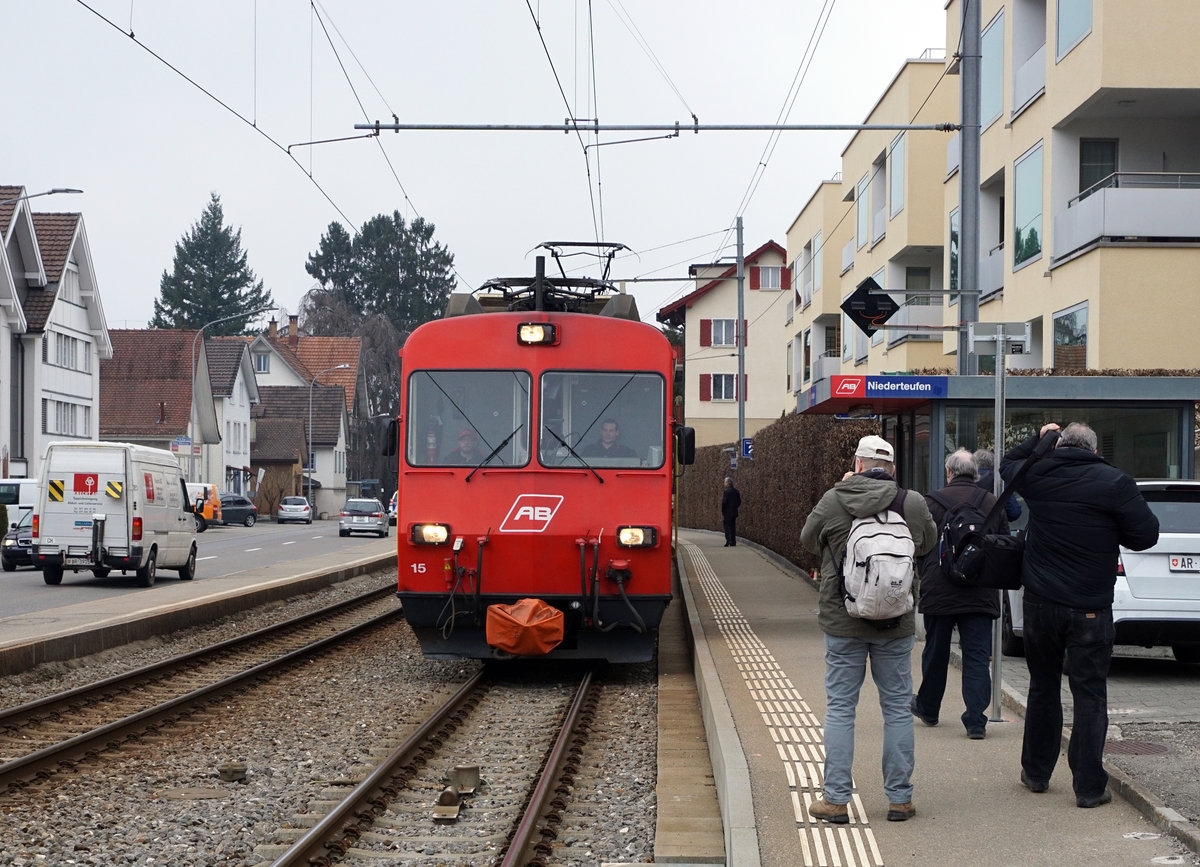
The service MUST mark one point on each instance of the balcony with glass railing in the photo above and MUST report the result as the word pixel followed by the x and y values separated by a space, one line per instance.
pixel 915 322
pixel 1134 207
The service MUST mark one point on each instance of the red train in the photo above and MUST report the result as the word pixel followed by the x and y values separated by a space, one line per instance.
pixel 536 461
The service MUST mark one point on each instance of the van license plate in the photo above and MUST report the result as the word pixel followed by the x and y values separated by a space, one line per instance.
pixel 1184 562
pixel 77 561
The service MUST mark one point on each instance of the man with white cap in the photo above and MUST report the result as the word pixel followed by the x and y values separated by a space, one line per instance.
pixel 870 488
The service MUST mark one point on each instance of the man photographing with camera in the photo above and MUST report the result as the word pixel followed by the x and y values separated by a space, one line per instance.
pixel 1081 508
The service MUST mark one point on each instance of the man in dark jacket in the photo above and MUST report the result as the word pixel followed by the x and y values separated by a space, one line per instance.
pixel 1080 509
pixel 731 501
pixel 945 605
pixel 870 488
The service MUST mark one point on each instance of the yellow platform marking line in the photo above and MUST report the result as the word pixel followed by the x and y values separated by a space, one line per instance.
pixel 796 731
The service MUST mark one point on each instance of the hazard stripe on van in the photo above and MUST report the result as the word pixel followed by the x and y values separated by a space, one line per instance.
pixel 114 490
pixel 56 490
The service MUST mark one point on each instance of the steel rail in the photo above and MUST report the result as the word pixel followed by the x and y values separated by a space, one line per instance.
pixel 91 741
pixel 315 845
pixel 523 839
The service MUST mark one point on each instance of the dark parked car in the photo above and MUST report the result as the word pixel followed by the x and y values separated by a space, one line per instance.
pixel 18 543
pixel 236 509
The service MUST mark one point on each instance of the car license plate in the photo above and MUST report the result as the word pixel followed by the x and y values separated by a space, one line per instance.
pixel 360 519
pixel 1184 562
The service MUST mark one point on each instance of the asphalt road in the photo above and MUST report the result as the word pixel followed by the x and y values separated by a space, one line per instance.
pixel 222 551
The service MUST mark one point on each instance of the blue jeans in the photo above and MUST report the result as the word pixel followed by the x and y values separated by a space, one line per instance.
pixel 975 639
pixel 1078 642
pixel 891 670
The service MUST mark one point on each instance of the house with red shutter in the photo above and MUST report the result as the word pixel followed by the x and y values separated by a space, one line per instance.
pixel 713 337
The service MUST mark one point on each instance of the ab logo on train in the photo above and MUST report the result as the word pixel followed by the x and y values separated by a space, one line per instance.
pixel 531 513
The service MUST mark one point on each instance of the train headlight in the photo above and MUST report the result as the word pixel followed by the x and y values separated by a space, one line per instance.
pixel 637 537
pixel 430 534
pixel 537 334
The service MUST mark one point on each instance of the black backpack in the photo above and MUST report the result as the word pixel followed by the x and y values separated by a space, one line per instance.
pixel 961 523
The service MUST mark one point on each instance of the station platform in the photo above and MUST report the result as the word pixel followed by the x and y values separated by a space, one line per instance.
pixel 759 665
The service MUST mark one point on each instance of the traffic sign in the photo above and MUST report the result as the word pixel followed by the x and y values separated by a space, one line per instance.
pixel 747 447
pixel 869 306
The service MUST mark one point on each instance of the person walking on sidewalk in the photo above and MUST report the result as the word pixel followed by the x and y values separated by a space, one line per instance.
pixel 731 501
pixel 850 642
pixel 1080 509
pixel 945 605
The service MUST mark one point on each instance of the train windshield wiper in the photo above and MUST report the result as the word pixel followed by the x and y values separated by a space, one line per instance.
pixel 578 457
pixel 495 451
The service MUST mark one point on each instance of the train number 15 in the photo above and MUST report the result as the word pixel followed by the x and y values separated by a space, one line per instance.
pixel 417 567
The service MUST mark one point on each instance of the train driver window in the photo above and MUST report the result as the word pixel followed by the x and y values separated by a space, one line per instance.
pixel 601 419
pixel 467 418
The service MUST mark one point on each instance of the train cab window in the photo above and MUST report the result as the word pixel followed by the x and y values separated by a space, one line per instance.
pixel 601 419
pixel 468 418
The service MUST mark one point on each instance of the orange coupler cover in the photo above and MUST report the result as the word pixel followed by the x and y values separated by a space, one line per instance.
pixel 528 627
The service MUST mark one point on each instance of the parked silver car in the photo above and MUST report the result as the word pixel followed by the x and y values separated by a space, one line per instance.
pixel 363 516
pixel 294 509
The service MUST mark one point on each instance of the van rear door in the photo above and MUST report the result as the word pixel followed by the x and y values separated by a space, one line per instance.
pixel 80 484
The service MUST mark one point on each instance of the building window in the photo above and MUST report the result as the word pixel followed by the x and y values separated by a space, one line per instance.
pixel 65 419
pixel 896 178
pixel 65 351
pixel 862 213
pixel 807 372
pixel 789 364
pixel 724 386
pixel 1074 23
pixel 768 277
pixel 262 362
pixel 1070 338
pixel 724 333
pixel 847 338
pixel 833 339
pixel 917 283
pixel 991 71
pixel 816 262
pixel 1027 207
pixel 952 246
pixel 1097 164
pixel 68 286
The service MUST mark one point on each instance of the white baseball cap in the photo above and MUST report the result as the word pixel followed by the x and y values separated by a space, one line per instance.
pixel 875 447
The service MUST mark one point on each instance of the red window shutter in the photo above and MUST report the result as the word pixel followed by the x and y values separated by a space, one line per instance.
pixel 754 277
pixel 785 279
pixel 706 332
pixel 745 385
pixel 706 386
pixel 745 332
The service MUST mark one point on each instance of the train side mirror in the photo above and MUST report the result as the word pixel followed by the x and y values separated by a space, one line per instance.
pixel 685 445
pixel 390 446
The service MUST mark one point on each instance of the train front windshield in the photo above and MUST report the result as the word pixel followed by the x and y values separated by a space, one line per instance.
pixel 464 417
pixel 586 418
pixel 608 419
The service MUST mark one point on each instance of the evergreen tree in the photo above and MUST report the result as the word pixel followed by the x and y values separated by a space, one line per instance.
pixel 210 279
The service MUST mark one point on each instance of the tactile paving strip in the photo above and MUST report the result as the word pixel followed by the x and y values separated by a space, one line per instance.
pixel 798 734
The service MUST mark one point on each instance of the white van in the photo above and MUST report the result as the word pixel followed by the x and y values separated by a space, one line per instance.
pixel 106 506
pixel 19 495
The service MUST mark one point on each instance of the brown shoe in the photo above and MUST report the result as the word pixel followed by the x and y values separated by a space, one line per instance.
pixel 838 814
pixel 901 812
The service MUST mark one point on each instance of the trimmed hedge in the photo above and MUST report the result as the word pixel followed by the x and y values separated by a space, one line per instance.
pixel 796 460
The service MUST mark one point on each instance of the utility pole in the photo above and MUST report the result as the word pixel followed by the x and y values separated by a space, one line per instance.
pixel 741 333
pixel 968 189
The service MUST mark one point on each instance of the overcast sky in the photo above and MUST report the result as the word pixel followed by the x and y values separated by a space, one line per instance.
pixel 86 106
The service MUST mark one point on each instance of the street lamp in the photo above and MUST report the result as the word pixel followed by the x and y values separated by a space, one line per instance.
pixel 195 403
pixel 52 192
pixel 310 458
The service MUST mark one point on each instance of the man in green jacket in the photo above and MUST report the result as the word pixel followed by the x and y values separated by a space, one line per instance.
pixel 849 641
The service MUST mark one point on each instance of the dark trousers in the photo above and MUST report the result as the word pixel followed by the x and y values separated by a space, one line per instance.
pixel 730 531
pixel 975 639
pixel 1078 642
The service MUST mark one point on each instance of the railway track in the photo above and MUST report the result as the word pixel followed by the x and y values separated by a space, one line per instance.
pixel 38 737
pixel 429 801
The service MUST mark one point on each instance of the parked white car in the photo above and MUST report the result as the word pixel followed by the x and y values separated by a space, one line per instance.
pixel 1156 600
